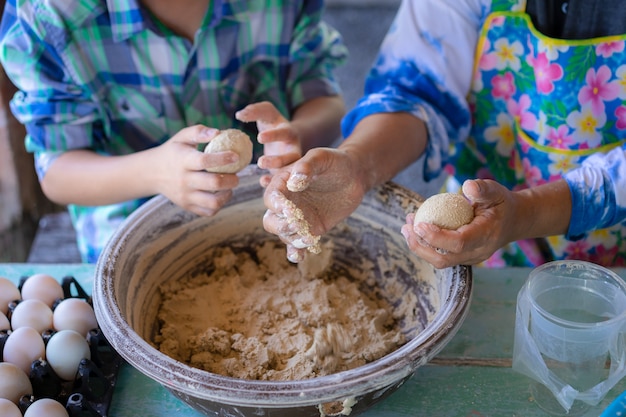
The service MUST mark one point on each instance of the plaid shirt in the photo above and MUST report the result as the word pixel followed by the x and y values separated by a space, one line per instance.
pixel 106 76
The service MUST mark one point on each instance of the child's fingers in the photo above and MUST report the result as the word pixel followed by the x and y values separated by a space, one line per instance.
pixel 263 112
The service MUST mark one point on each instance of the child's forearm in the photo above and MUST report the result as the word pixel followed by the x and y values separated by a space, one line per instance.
pixel 318 121
pixel 85 178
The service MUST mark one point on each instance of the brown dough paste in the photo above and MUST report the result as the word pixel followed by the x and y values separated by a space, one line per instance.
pixel 268 319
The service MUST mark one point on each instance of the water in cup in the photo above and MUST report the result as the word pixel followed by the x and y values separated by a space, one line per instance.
pixel 570 325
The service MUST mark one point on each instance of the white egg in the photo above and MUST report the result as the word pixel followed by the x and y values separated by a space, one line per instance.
pixel 22 347
pixel 14 383
pixel 46 407
pixel 8 293
pixel 8 409
pixel 32 313
pixel 4 322
pixel 74 314
pixel 42 287
pixel 64 352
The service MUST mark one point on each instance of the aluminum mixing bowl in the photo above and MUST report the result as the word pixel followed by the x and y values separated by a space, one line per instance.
pixel 161 242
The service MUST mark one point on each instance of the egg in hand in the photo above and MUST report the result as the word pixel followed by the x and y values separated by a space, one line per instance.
pixel 446 210
pixel 231 140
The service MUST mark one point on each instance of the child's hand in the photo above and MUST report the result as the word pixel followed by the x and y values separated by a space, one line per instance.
pixel 281 141
pixel 179 171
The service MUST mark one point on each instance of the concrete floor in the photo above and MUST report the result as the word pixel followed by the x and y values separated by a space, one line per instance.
pixel 363 29
pixel 15 243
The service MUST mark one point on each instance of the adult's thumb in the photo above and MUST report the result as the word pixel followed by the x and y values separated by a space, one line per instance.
pixel 482 191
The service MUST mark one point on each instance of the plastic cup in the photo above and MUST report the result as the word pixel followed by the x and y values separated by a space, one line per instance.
pixel 570 334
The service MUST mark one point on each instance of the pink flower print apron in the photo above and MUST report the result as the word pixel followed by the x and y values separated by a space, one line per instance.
pixel 540 107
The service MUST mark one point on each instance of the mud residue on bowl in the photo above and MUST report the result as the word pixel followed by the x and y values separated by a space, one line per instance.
pixel 161 243
pixel 254 315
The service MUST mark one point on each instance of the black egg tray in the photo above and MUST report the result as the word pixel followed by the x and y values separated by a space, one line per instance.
pixel 89 395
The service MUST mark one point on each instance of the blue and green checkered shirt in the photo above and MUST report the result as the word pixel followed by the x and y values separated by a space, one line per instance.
pixel 105 75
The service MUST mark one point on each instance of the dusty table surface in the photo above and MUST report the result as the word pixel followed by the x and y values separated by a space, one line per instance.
pixel 471 376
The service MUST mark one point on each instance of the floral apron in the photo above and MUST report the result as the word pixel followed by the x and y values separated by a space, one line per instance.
pixel 540 107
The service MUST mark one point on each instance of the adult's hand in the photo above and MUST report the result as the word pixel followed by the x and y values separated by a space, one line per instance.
pixel 493 226
pixel 320 189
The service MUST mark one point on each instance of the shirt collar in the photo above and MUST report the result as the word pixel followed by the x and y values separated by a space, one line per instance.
pixel 128 17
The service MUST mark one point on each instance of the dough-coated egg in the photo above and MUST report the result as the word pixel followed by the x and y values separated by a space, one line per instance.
pixel 22 347
pixel 42 287
pixel 14 383
pixel 46 407
pixel 8 292
pixel 446 210
pixel 64 352
pixel 32 313
pixel 231 140
pixel 4 322
pixel 74 314
pixel 8 409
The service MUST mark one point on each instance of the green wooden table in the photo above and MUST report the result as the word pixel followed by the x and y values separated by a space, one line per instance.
pixel 471 376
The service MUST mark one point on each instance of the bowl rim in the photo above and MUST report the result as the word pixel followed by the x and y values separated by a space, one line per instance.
pixel 183 379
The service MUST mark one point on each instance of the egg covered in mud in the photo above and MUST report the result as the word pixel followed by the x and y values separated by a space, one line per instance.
pixel 446 210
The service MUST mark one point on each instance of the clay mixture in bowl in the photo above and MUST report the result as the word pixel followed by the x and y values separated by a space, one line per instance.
pixel 332 336
pixel 254 315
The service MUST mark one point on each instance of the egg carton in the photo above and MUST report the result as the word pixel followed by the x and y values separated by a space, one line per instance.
pixel 90 393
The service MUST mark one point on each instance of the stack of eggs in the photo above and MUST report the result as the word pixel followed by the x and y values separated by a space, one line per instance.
pixel 44 334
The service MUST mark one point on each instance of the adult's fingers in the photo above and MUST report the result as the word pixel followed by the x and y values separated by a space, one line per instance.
pixel 295 255
pixel 483 191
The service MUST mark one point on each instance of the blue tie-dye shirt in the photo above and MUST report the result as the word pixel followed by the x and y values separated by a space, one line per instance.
pixel 105 75
pixel 425 67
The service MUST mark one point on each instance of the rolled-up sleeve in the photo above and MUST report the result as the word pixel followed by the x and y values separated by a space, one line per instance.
pixel 598 190
pixel 425 68
pixel 54 110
